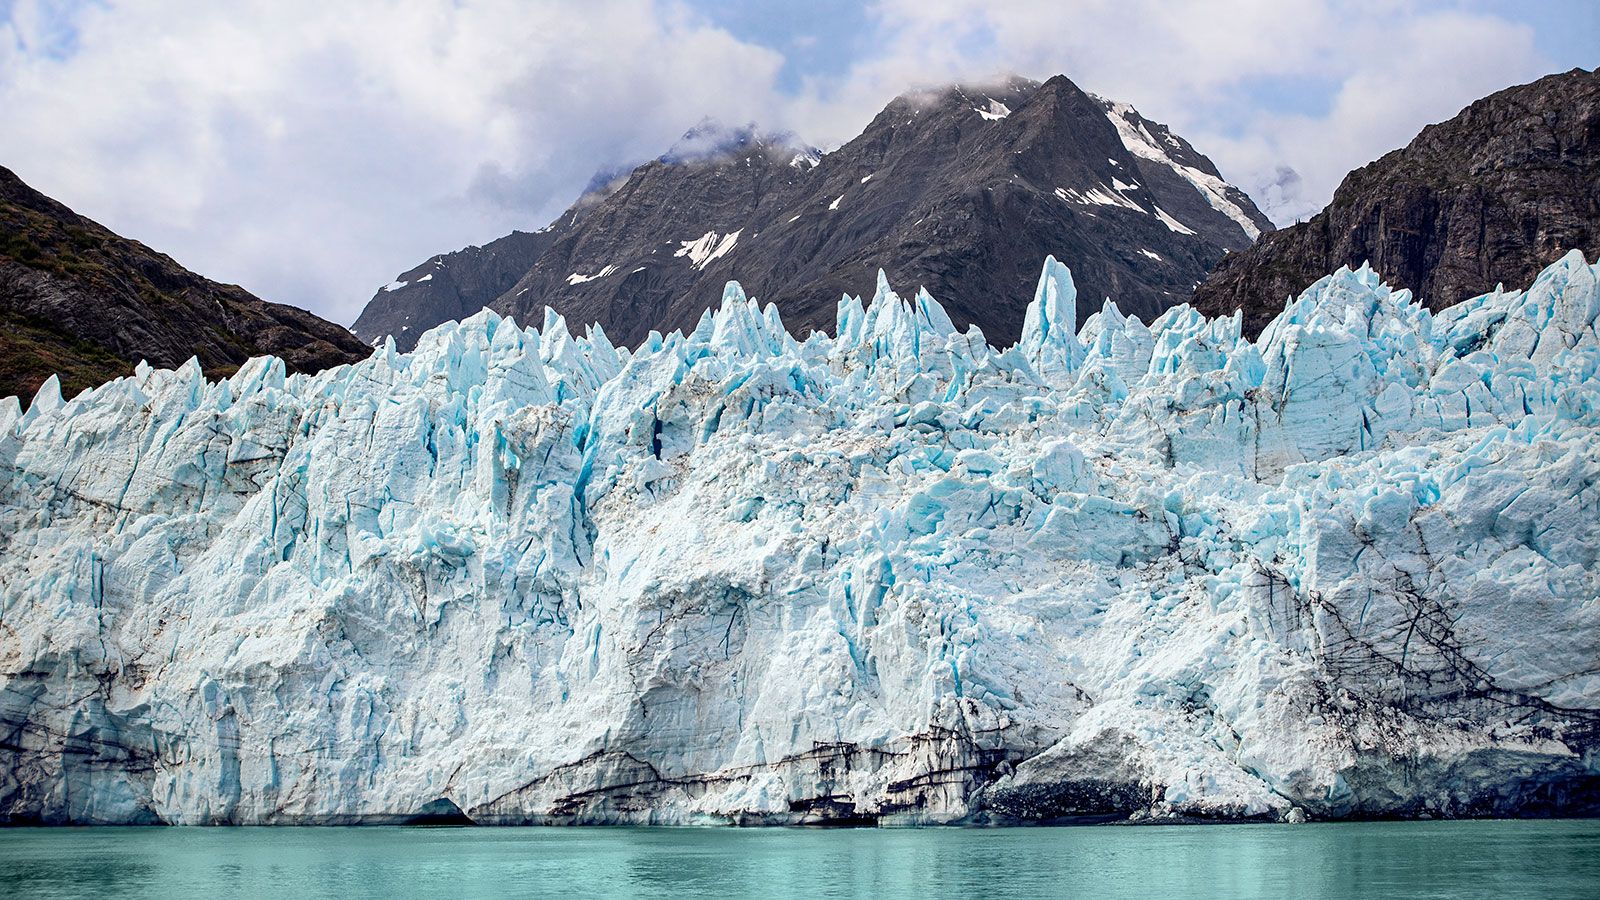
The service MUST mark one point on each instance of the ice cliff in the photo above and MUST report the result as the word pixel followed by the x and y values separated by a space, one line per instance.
pixel 893 575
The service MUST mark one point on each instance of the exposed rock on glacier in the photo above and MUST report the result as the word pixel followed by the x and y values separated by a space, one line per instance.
pixel 896 575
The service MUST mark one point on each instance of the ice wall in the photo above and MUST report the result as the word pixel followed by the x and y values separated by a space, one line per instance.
pixel 893 575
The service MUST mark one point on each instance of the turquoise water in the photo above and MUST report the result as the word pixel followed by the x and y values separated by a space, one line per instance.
pixel 1413 859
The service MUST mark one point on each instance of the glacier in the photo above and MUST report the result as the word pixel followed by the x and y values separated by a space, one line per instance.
pixel 1117 571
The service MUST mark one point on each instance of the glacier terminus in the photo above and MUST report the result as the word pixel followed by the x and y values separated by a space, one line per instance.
pixel 896 575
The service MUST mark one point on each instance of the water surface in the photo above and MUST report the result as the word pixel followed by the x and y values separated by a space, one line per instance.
pixel 1359 860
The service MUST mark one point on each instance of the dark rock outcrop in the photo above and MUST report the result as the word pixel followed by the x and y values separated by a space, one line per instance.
pixel 1488 197
pixel 450 286
pixel 81 302
pixel 962 190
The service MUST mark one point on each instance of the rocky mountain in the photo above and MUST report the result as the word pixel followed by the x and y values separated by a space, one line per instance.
pixel 82 303
pixel 960 190
pixel 1486 198
pixel 1123 571
pixel 451 286
pixel 456 285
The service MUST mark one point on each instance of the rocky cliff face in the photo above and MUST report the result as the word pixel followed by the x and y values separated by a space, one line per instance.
pixel 450 286
pixel 1487 198
pixel 960 190
pixel 80 302
pixel 896 575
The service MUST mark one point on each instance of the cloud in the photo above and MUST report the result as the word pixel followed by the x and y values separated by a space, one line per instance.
pixel 311 151
pixel 1417 71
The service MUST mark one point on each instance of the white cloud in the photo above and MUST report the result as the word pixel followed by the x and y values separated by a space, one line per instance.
pixel 312 150
pixel 1419 71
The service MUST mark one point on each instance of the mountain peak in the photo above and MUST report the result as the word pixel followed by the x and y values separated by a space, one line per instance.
pixel 958 188
pixel 710 140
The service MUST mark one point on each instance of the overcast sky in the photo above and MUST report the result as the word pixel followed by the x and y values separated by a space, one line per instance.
pixel 311 150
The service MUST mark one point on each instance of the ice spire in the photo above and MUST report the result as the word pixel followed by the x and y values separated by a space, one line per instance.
pixel 1050 329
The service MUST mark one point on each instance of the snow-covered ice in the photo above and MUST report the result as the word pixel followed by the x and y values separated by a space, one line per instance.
pixel 1119 569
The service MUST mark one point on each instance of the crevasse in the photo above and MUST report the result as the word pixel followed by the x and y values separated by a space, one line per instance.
pixel 894 575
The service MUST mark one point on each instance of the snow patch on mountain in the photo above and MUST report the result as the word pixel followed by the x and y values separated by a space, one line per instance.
pixel 1138 141
pixel 708 247
pixel 1094 196
pixel 578 278
pixel 1172 223
pixel 994 112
